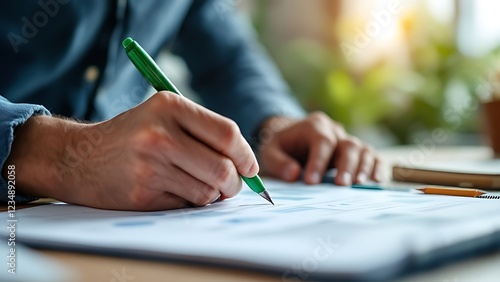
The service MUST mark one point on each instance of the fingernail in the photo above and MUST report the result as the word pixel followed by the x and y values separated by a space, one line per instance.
pixel 347 178
pixel 379 176
pixel 362 177
pixel 315 177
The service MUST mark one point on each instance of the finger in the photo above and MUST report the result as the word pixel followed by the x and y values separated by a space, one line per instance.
pixel 206 165
pixel 277 163
pixel 216 131
pixel 164 201
pixel 366 165
pixel 187 187
pixel 319 158
pixel 338 130
pixel 347 161
pixel 377 172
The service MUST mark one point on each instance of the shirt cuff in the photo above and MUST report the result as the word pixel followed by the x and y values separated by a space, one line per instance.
pixel 13 115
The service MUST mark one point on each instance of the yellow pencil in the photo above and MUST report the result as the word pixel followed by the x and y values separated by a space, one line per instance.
pixel 451 191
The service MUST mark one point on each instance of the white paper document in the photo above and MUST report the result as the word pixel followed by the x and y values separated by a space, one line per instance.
pixel 313 232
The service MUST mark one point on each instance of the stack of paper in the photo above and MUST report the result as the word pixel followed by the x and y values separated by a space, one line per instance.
pixel 313 232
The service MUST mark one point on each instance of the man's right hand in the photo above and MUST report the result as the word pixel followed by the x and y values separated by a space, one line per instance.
pixel 166 153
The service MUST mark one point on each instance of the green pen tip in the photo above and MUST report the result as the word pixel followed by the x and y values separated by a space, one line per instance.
pixel 127 42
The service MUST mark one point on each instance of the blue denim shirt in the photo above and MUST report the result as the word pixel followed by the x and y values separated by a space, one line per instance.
pixel 65 57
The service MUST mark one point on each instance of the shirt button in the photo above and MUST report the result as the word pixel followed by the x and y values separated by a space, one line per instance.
pixel 91 74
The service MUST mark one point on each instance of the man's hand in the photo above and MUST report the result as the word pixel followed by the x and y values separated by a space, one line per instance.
pixel 290 147
pixel 166 153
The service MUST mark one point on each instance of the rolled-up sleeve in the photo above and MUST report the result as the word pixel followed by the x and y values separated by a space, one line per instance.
pixel 230 70
pixel 11 116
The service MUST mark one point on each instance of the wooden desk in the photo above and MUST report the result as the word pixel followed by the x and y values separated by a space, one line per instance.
pixel 101 268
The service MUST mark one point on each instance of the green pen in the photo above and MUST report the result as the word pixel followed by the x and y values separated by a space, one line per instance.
pixel 153 74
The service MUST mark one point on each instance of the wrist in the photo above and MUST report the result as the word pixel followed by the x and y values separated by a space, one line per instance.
pixel 36 152
pixel 268 128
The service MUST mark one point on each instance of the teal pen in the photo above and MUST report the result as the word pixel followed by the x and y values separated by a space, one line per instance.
pixel 153 74
pixel 367 186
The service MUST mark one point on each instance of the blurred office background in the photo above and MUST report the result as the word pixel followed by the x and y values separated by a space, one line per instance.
pixel 391 71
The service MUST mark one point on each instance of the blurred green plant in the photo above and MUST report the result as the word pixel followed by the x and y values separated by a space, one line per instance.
pixel 434 89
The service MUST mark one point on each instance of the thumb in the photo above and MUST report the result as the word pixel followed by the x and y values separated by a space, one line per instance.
pixel 276 163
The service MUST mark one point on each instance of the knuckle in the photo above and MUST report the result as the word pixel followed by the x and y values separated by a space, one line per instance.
pixel 165 96
pixel 318 117
pixel 230 132
pixel 205 196
pixel 166 100
pixel 139 198
pixel 338 128
pixel 369 149
pixel 327 139
pixel 365 153
pixel 147 138
pixel 352 142
pixel 160 99
pixel 153 139
pixel 223 173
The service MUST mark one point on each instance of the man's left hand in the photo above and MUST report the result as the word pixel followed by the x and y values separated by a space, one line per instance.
pixel 290 148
